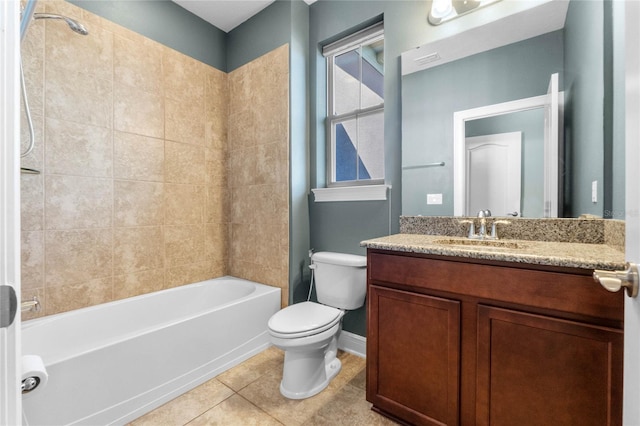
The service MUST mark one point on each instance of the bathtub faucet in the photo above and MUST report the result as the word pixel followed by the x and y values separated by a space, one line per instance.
pixel 32 305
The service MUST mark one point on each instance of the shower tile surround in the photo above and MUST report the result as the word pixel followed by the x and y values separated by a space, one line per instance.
pixel 157 170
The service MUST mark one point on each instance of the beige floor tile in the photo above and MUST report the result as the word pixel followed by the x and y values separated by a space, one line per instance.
pixel 348 407
pixel 235 411
pixel 265 394
pixel 360 380
pixel 257 399
pixel 352 365
pixel 187 407
pixel 252 369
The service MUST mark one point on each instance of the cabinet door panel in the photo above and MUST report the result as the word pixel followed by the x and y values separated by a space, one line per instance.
pixel 535 370
pixel 413 356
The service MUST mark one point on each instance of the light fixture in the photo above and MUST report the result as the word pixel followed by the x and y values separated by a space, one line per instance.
pixel 440 9
pixel 446 10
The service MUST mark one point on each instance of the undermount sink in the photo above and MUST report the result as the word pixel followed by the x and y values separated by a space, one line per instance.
pixel 481 243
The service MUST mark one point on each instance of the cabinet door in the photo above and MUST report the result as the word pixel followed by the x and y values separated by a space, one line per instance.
pixel 536 370
pixel 413 356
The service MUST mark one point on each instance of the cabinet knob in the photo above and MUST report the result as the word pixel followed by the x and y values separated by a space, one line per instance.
pixel 615 280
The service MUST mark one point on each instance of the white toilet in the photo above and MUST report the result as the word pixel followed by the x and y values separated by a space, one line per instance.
pixel 308 331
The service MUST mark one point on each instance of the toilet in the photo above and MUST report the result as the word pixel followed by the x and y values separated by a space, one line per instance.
pixel 308 331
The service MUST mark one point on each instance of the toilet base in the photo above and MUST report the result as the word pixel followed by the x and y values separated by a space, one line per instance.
pixel 308 370
pixel 331 370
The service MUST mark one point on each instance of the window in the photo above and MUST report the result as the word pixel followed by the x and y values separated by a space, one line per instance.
pixel 355 116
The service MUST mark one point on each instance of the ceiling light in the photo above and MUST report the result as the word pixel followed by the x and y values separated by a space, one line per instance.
pixel 441 9
pixel 446 10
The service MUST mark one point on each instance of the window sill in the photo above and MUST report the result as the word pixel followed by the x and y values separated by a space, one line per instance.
pixel 351 193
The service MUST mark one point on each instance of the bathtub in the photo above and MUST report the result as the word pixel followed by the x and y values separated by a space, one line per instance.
pixel 111 363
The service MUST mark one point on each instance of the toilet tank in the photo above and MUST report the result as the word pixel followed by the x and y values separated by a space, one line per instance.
pixel 340 279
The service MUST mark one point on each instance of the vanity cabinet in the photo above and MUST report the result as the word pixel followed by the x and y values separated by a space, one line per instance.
pixel 461 341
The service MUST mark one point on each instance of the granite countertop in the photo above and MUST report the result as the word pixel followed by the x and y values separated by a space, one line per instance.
pixel 552 253
pixel 584 243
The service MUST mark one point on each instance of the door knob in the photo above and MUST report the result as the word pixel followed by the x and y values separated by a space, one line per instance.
pixel 615 280
pixel 8 305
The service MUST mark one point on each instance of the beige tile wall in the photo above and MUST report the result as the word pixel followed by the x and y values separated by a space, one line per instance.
pixel 259 170
pixel 139 190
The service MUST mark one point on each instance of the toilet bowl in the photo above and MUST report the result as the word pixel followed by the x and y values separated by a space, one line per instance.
pixel 308 331
pixel 308 364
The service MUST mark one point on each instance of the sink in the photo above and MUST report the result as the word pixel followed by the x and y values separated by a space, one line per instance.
pixel 481 243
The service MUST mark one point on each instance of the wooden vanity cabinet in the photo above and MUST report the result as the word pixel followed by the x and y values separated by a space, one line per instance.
pixel 457 341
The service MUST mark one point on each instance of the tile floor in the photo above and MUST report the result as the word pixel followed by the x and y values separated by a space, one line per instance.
pixel 248 394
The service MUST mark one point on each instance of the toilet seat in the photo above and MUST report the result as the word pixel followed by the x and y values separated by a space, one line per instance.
pixel 303 319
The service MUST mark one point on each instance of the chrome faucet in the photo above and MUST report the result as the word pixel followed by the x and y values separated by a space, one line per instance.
pixel 482 230
pixel 472 227
pixel 483 215
pixel 494 225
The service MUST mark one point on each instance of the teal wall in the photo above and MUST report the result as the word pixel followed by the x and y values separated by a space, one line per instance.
pixel 166 23
pixel 299 233
pixel 584 110
pixel 594 112
pixel 270 28
pixel 618 106
pixel 430 98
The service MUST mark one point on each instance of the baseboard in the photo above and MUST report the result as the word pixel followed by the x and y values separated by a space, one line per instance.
pixel 353 343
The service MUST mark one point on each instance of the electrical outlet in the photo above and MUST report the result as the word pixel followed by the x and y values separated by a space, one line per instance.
pixel 434 198
pixel 594 191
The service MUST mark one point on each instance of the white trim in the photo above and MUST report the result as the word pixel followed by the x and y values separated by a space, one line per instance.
pixel 10 348
pixel 351 193
pixel 353 343
pixel 363 36
pixel 551 146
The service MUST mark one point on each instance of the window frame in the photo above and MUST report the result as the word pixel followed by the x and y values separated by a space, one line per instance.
pixel 330 52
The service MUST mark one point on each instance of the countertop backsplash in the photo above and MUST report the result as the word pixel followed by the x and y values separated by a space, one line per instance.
pixel 581 230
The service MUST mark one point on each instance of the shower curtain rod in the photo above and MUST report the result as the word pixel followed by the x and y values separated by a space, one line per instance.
pixel 27 14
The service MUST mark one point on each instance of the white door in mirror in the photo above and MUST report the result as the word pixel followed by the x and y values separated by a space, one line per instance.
pixel 493 173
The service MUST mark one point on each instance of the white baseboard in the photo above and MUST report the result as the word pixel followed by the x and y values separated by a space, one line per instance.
pixel 353 343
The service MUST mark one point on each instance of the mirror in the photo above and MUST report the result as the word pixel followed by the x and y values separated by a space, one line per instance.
pixel 520 70
pixel 510 174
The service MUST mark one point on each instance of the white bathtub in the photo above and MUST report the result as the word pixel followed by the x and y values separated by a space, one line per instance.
pixel 111 363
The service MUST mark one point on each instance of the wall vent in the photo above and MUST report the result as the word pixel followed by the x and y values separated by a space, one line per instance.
pixel 427 59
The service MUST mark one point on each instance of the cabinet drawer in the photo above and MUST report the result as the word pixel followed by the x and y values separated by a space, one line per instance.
pixel 576 294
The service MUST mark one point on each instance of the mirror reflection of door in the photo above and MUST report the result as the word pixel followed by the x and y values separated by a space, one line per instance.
pixel 494 174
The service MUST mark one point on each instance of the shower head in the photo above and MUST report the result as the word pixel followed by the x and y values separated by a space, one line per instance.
pixel 73 24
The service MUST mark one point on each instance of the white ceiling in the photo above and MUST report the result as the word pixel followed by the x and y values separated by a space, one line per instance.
pixel 226 14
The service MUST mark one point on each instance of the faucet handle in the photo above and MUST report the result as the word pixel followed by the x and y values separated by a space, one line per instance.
pixel 472 227
pixel 494 232
pixel 484 213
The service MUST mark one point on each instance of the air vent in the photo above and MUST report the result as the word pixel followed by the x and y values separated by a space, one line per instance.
pixel 427 59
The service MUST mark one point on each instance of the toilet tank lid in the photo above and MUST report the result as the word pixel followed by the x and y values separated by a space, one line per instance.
pixel 342 259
